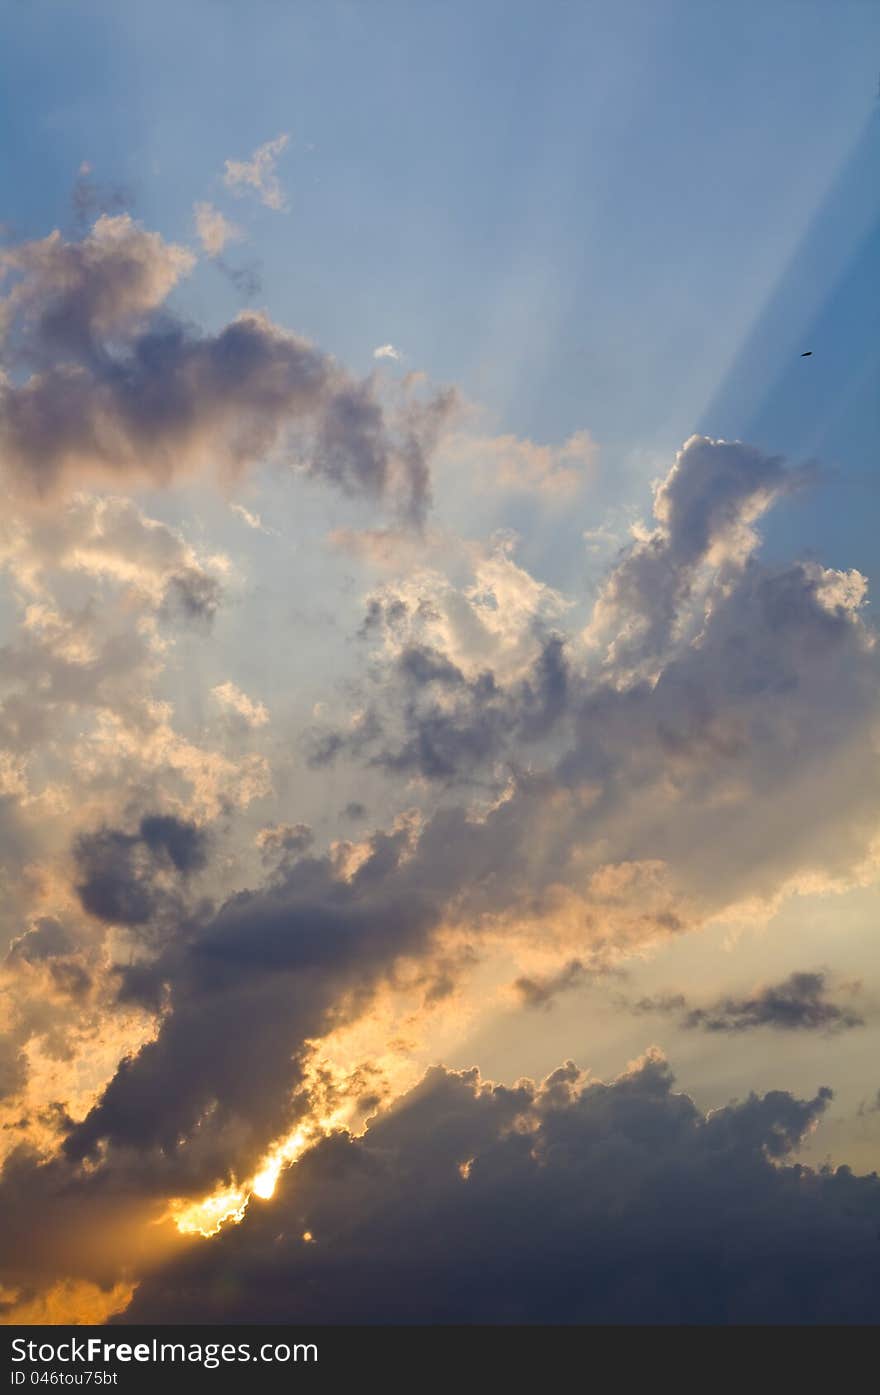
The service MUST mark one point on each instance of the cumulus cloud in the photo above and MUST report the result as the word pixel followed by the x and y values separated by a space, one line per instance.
pixel 569 1202
pixel 635 827
pixel 257 175
pixel 755 687
pixel 704 510
pixel 626 814
pixel 99 590
pixel 71 296
pixel 110 538
pixel 387 351
pixel 635 831
pixel 119 389
pixel 460 673
pixel 88 743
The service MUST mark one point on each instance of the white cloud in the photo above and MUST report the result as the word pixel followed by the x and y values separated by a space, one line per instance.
pixel 388 351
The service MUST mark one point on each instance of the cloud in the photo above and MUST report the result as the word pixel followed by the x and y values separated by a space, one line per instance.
pixel 517 465
pixel 252 520
pixel 460 675
pixel 569 1202
pixel 13 1067
pixel 253 714
pixel 535 992
pixel 129 878
pixel 66 1302
pixel 214 230
pixel 704 511
pixel 728 685
pixel 258 174
pixel 633 835
pixel 120 390
pixel 387 351
pixel 110 539
pixel 71 296
pixel 283 843
pixel 624 814
pixel 798 1003
pixel 872 1108
pixel 277 962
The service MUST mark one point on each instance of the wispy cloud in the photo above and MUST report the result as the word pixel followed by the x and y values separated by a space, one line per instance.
pixel 253 714
pixel 257 175
pixel 214 230
pixel 252 520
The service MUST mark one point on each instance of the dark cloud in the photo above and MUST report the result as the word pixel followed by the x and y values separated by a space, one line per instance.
pixel 118 387
pixel 568 1203
pixel 282 844
pixel 121 874
pixel 800 1003
pixel 540 992
pixel 64 954
pixel 48 938
pixel 247 989
pixel 436 722
pixel 192 594
pixel 183 842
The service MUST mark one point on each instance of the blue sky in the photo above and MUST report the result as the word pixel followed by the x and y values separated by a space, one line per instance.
pixel 628 218
pixel 646 174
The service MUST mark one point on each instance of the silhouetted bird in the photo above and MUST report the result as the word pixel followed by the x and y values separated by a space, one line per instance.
pixel 808 354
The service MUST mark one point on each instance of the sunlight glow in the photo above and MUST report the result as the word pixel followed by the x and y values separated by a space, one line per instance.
pixel 207 1216
pixel 227 1205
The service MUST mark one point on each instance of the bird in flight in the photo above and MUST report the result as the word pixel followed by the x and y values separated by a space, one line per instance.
pixel 808 354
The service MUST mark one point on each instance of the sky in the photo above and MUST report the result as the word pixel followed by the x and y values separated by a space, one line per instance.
pixel 439 730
